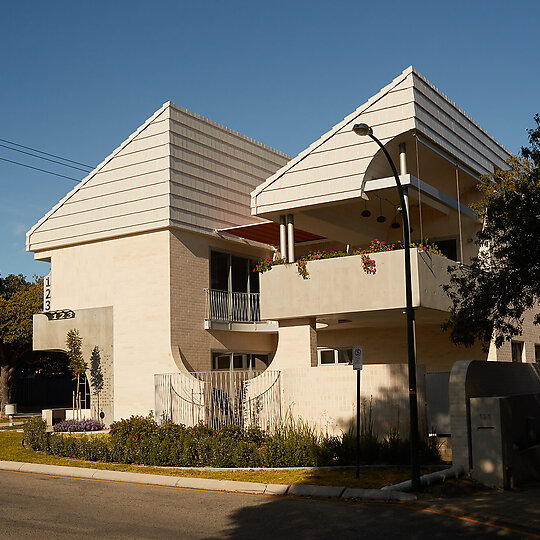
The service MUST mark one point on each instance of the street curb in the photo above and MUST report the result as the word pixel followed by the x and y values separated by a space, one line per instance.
pixel 321 492
pixel 186 482
pixel 377 495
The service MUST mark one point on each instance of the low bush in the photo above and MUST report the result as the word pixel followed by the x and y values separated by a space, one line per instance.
pixel 78 425
pixel 141 440
pixel 35 434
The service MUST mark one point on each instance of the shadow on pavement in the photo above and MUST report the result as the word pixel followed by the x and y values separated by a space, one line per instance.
pixel 296 518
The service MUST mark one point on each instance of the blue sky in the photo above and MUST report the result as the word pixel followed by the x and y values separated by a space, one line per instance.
pixel 77 78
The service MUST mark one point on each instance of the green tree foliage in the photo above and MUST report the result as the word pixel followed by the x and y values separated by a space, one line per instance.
pixel 77 365
pixel 19 300
pixel 96 375
pixel 490 297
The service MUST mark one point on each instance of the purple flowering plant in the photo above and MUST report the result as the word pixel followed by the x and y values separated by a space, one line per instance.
pixel 70 426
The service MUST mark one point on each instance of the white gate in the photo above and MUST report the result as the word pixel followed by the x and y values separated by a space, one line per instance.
pixel 220 398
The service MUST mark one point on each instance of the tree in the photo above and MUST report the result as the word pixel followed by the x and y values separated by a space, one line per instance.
pixel 96 375
pixel 490 297
pixel 19 300
pixel 77 365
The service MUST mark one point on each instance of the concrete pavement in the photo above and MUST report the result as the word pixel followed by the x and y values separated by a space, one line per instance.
pixel 517 509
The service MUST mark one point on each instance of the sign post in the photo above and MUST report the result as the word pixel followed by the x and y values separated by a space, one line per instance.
pixel 358 354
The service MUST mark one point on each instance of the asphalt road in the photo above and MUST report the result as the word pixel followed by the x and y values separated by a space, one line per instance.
pixel 39 506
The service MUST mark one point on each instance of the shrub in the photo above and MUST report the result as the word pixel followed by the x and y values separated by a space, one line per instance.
pixel 35 434
pixel 395 450
pixel 133 429
pixel 78 425
pixel 141 440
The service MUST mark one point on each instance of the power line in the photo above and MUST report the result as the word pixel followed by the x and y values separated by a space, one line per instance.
pixel 46 153
pixel 38 169
pixel 41 157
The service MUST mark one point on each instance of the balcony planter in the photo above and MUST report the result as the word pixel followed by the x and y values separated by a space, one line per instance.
pixel 341 285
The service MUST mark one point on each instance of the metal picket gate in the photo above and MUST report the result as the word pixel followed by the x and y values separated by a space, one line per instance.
pixel 220 398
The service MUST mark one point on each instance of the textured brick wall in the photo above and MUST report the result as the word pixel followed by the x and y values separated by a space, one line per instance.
pixel 189 268
pixel 529 337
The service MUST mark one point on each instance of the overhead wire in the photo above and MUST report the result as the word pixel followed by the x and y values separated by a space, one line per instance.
pixel 38 169
pixel 46 153
pixel 41 157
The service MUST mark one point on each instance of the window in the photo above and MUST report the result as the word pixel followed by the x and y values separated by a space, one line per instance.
pixel 448 248
pixel 231 361
pixel 517 351
pixel 334 356
pixel 233 274
pixel 537 352
pixel 84 389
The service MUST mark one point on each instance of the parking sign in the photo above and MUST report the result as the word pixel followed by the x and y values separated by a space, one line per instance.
pixel 358 354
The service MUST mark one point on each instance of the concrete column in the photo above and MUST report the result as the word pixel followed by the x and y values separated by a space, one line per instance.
pixel 297 344
pixel 290 238
pixel 282 236
pixel 402 159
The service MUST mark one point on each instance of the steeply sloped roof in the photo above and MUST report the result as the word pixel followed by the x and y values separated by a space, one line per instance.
pixel 178 169
pixel 334 167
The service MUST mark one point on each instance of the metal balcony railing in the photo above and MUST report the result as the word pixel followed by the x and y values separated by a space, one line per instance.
pixel 227 306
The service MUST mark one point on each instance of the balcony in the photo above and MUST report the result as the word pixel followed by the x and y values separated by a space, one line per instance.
pixel 234 311
pixel 339 289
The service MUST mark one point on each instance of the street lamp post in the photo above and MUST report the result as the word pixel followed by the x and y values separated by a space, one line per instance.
pixel 364 129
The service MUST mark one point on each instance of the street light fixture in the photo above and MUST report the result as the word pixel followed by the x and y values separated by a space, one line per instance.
pixel 363 130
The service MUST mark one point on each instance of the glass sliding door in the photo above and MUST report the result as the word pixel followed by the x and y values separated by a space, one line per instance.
pixel 234 288
pixel 239 288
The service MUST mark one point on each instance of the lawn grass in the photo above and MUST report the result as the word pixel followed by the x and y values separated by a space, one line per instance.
pixel 15 419
pixel 11 449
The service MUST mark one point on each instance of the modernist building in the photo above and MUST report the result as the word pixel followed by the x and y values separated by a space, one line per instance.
pixel 153 256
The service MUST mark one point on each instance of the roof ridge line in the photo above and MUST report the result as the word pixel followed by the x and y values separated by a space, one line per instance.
pixel 335 129
pixel 226 129
pixel 458 108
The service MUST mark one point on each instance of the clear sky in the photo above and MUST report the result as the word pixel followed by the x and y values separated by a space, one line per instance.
pixel 76 78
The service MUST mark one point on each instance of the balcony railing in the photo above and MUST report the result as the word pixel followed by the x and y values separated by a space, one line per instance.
pixel 224 306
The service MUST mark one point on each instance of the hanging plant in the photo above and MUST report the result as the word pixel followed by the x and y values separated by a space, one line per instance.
pixel 368 264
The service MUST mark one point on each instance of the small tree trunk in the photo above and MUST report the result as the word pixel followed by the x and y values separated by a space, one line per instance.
pixel 5 392
pixel 78 397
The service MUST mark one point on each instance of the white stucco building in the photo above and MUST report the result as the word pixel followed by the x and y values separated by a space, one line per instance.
pixel 153 255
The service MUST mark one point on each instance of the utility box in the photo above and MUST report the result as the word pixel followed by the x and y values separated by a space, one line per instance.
pixel 505 439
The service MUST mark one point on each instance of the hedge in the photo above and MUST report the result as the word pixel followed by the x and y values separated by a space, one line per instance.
pixel 141 440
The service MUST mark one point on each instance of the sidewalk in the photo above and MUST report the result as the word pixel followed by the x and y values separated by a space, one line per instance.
pixel 519 508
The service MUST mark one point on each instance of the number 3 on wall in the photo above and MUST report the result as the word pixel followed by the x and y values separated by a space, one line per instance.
pixel 47 293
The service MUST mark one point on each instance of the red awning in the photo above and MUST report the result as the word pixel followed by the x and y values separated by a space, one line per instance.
pixel 267 232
